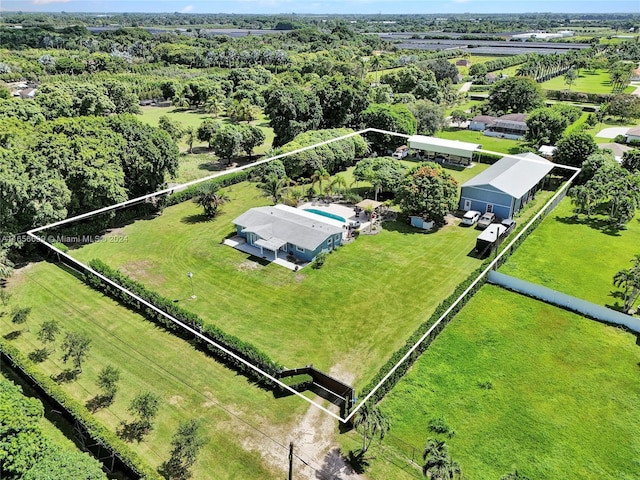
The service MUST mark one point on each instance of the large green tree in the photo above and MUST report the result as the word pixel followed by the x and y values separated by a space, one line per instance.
pixel 384 173
pixel 227 142
pixel 515 95
pixel 428 190
pixel 75 347
pixel 291 110
pixel 394 118
pixel 429 115
pixel 574 148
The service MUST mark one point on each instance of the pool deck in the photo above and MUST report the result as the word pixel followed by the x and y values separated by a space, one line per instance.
pixel 344 211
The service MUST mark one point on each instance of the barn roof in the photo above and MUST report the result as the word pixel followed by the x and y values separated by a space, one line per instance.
pixel 514 175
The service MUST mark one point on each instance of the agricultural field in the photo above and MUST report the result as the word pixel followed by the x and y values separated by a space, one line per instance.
pixel 576 256
pixel 523 385
pixel 314 312
pixel 190 383
pixel 597 81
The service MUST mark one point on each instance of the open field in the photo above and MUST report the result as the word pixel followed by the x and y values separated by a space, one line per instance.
pixel 189 383
pixel 328 317
pixel 494 144
pixel 202 162
pixel 524 385
pixel 576 257
pixel 597 81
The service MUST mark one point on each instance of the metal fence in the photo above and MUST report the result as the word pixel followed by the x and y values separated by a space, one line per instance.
pixel 563 300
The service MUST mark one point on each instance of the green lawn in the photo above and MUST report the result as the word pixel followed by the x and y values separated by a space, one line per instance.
pixel 608 122
pixel 202 162
pixel 562 401
pixel 597 81
pixel 327 317
pixel 494 144
pixel 575 258
pixel 189 383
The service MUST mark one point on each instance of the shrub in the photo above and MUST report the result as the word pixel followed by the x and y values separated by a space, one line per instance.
pixel 320 259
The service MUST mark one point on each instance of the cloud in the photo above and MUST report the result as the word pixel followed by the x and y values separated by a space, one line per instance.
pixel 47 2
pixel 187 9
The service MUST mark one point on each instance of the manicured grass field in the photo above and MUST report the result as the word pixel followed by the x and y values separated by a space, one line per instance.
pixel 524 385
pixel 494 144
pixel 597 81
pixel 576 257
pixel 328 317
pixel 190 384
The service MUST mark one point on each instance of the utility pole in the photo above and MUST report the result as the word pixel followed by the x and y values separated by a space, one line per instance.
pixel 290 460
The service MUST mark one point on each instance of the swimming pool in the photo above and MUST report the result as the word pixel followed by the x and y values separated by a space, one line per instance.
pixel 326 214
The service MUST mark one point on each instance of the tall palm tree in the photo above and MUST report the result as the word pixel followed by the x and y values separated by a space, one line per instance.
pixel 275 187
pixel 318 177
pixel 438 463
pixel 376 61
pixel 210 198
pixel 372 424
pixel 338 184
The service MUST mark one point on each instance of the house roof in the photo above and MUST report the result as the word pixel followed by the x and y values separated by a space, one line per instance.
pixel 442 145
pixel 483 119
pixel 617 149
pixel 282 224
pixel 635 132
pixel 514 175
pixel 367 202
pixel 514 117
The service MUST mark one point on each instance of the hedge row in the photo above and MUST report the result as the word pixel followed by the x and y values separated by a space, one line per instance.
pixel 239 347
pixel 222 181
pixel 579 97
pixel 420 331
pixel 79 412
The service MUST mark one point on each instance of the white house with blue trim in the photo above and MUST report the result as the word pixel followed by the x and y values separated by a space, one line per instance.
pixel 289 230
pixel 506 186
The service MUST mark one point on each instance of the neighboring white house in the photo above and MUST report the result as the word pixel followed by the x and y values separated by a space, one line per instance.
pixel 547 151
pixel 633 134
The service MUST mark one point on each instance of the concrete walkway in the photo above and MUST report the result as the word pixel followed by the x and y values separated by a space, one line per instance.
pixel 465 87
pixel 612 132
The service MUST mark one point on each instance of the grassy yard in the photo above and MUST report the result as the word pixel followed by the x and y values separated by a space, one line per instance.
pixel 327 317
pixel 494 144
pixel 202 162
pixel 609 122
pixel 189 383
pixel 576 257
pixel 597 81
pixel 524 385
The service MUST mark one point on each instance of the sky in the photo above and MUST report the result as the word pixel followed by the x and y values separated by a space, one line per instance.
pixel 324 6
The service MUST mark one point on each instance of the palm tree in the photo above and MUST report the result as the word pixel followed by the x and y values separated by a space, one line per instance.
pixel 338 184
pixel 629 280
pixel 210 197
pixel 275 187
pixel 214 105
pixel 371 423
pixel 438 463
pixel 318 177
pixel 375 65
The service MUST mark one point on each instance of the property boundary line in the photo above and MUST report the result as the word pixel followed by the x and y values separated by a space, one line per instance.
pixel 32 233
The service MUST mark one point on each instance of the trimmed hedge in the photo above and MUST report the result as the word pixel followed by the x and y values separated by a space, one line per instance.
pixel 222 181
pixel 80 413
pixel 241 348
pixel 578 97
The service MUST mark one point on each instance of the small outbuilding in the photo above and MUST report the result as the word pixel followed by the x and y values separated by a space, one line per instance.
pixel 506 186
pixel 488 240
pixel 443 150
pixel 421 222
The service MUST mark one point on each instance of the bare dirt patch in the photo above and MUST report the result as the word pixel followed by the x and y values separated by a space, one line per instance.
pixel 143 270
pixel 175 400
pixel 248 265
